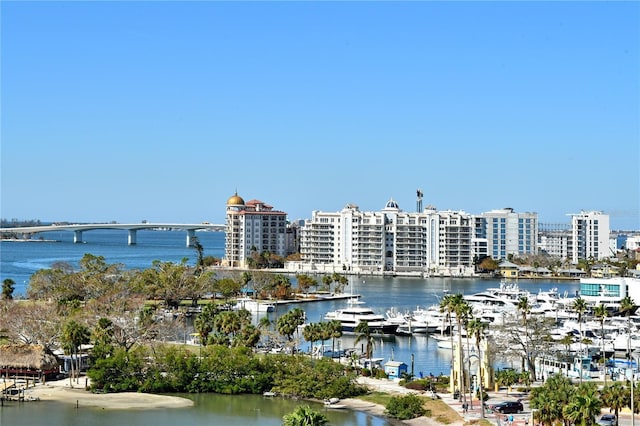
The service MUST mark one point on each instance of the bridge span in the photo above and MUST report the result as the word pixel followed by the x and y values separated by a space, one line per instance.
pixel 27 232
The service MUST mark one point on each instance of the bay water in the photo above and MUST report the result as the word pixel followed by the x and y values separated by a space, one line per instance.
pixel 19 260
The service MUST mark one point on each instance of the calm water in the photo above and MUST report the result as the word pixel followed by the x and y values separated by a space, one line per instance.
pixel 19 260
pixel 246 410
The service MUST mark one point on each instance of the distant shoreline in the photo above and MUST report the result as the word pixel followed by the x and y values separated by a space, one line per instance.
pixel 24 240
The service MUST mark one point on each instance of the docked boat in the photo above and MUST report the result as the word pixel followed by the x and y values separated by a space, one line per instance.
pixel 253 306
pixel 350 318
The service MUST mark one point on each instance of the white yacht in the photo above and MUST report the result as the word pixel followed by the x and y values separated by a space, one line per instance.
pixel 253 306
pixel 350 318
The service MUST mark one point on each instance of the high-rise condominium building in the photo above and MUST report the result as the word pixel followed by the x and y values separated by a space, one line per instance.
pixel 509 232
pixel 590 231
pixel 252 227
pixel 388 240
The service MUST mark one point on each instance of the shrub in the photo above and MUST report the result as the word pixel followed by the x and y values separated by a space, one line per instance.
pixel 420 385
pixel 365 372
pixel 380 374
pixel 405 407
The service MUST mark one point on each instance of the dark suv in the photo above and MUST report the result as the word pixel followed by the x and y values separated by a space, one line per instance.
pixel 508 407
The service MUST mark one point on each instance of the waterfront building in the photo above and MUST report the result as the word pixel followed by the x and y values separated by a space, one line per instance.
pixel 555 240
pixel 455 248
pixel 590 234
pixel 510 233
pixel 252 227
pixel 390 240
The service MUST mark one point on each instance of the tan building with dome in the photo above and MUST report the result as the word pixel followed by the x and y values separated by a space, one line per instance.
pixel 252 226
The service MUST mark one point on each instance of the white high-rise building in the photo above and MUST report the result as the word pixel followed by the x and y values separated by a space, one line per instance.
pixel 510 233
pixel 389 240
pixel 590 232
pixel 252 227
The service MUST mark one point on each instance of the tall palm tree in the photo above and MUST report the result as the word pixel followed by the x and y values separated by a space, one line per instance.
pixel 476 328
pixel 456 304
pixel 600 312
pixel 304 416
pixel 73 336
pixel 616 396
pixel 335 332
pixel 288 323
pixel 311 333
pixel 580 306
pixel 446 307
pixel 627 308
pixel 365 335
pixel 524 307
pixel 203 323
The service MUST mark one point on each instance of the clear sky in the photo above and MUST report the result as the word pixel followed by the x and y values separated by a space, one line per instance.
pixel 160 111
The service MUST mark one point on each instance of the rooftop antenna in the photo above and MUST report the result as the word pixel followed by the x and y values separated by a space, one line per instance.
pixel 419 200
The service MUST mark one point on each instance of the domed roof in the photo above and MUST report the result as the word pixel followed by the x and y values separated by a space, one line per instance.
pixel 391 204
pixel 235 200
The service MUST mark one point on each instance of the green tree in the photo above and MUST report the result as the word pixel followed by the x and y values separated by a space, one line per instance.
pixel 405 407
pixel 288 323
pixel 364 334
pixel 311 333
pixel 476 328
pixel 8 286
pixel 304 416
pixel 584 405
pixel 204 322
pixel 305 281
pixel 550 398
pixel 73 336
pixel 616 396
pixel 580 306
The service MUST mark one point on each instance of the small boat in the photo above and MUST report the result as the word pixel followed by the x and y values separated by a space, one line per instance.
pixel 333 403
pixel 269 394
pixel 335 406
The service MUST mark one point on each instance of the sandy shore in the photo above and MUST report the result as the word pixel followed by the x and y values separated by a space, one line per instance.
pixel 61 391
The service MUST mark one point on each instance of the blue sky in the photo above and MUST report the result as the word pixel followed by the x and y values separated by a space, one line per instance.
pixel 129 111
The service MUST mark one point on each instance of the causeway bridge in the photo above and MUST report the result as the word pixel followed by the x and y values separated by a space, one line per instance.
pixel 27 232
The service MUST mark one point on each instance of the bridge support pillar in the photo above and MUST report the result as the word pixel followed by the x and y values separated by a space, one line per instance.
pixel 133 233
pixel 77 237
pixel 191 233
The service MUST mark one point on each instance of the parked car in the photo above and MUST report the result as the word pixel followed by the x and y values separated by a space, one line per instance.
pixel 607 420
pixel 508 407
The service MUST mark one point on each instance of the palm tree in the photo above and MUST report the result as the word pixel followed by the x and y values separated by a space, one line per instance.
pixel 616 396
pixel 584 406
pixel 365 335
pixel 549 399
pixel 462 310
pixel 335 331
pixel 476 328
pixel 601 313
pixel 304 416
pixel 580 306
pixel 288 323
pixel 446 307
pixel 525 309
pixel 73 336
pixel 204 322
pixel 311 333
pixel 627 308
